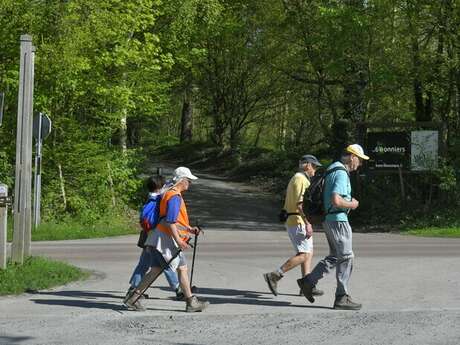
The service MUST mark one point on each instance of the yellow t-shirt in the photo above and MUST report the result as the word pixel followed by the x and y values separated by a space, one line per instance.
pixel 297 186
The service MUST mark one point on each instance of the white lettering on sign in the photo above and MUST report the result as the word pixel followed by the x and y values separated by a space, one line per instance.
pixel 390 149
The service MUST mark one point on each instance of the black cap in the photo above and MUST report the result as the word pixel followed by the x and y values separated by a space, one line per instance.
pixel 310 159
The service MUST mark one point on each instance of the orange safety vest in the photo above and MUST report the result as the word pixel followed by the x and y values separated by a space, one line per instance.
pixel 182 222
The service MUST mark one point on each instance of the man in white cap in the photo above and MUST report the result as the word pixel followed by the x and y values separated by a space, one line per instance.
pixel 297 225
pixel 337 203
pixel 170 236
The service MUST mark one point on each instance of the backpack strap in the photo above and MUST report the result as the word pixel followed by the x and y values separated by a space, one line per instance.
pixel 330 171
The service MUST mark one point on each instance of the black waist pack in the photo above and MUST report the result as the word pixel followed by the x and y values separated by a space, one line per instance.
pixel 284 215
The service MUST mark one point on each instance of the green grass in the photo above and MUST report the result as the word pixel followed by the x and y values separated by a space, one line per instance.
pixel 72 230
pixel 435 232
pixel 37 273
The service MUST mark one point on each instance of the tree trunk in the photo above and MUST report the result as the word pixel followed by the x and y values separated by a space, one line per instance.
pixel 423 111
pixel 235 139
pixel 61 182
pixel 186 132
pixel 123 134
pixel 354 107
pixel 133 132
pixel 340 137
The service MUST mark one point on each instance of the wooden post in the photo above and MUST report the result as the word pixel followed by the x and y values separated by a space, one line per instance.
pixel 401 182
pixel 3 223
pixel 29 158
pixel 23 177
pixel 61 180
pixel 112 190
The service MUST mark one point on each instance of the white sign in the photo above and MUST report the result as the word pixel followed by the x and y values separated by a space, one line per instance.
pixel 424 150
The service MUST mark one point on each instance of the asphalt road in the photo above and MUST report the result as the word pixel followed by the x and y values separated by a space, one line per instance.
pixel 409 287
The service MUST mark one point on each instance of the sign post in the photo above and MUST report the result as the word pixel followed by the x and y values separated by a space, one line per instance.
pixel 41 129
pixel 4 201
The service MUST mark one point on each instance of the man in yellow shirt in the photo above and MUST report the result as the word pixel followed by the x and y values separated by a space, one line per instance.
pixel 298 228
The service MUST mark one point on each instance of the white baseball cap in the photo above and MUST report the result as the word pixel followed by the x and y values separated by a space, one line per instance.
pixel 183 172
pixel 357 150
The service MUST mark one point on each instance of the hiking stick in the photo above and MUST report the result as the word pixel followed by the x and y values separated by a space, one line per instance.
pixel 149 278
pixel 194 288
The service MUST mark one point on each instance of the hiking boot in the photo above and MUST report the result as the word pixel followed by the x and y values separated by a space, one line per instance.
pixel 314 292
pixel 345 303
pixel 128 295
pixel 307 289
pixel 272 280
pixel 128 301
pixel 135 306
pixel 194 304
pixel 179 294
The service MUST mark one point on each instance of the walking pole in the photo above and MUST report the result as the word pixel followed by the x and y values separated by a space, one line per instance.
pixel 194 288
pixel 148 280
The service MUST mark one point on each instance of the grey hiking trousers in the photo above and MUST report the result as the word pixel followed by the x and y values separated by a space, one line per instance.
pixel 339 238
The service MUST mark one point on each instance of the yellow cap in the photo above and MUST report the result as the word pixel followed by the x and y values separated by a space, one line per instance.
pixel 357 150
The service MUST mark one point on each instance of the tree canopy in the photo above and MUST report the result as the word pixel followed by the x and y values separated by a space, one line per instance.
pixel 117 77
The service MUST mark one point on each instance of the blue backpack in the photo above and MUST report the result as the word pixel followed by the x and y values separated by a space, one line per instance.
pixel 150 213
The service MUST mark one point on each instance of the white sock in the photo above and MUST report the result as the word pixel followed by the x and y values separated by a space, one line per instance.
pixel 280 272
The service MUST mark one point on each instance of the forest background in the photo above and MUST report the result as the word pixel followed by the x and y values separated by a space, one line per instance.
pixel 240 87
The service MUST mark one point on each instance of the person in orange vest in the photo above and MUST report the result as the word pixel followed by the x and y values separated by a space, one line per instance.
pixel 172 234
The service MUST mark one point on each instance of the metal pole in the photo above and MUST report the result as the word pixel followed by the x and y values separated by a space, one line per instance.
pixel 3 223
pixel 22 153
pixel 38 171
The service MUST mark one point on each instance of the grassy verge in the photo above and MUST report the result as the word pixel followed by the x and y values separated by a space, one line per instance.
pixel 72 230
pixel 434 232
pixel 37 273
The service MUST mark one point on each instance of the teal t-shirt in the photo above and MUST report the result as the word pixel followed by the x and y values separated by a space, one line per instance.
pixel 336 182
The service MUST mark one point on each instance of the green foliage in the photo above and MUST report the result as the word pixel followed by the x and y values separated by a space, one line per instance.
pixel 6 170
pixel 97 64
pixel 435 232
pixel 267 81
pixel 447 177
pixel 37 273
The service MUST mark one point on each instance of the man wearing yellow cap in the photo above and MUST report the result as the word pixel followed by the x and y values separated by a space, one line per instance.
pixel 337 203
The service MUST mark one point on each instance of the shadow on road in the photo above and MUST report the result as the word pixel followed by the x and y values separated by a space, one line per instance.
pixel 81 299
pixel 90 299
pixel 245 297
pixel 86 294
pixel 80 304
pixel 224 292
pixel 5 339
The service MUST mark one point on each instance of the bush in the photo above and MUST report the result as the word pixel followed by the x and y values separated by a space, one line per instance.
pixel 96 181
